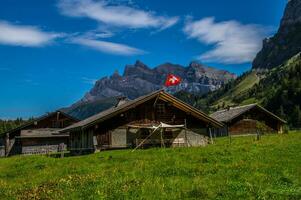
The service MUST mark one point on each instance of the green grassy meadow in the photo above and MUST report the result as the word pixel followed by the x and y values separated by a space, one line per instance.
pixel 245 169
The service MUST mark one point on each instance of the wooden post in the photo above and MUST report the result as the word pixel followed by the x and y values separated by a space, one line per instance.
pixel 186 140
pixel 230 139
pixel 162 140
pixel 161 137
pixel 257 135
pixel 7 146
pixel 210 135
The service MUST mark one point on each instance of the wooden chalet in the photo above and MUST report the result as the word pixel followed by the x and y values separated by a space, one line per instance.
pixel 38 136
pixel 156 119
pixel 248 119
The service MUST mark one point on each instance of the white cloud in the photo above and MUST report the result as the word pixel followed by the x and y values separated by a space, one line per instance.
pixel 98 34
pixel 115 15
pixel 107 47
pixel 234 43
pixel 89 80
pixel 27 36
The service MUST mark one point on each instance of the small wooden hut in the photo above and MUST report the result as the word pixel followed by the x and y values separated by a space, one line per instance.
pixel 248 119
pixel 131 122
pixel 38 136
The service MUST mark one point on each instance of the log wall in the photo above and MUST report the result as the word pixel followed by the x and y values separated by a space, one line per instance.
pixel 113 132
pixel 249 126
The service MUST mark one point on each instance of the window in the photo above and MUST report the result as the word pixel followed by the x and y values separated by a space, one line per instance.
pixel 160 107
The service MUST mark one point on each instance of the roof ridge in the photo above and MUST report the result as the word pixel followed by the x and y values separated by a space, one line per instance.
pixel 111 111
pixel 229 114
pixel 237 107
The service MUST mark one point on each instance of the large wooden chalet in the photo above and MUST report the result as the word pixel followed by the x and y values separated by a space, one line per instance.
pixel 156 119
pixel 248 119
pixel 38 136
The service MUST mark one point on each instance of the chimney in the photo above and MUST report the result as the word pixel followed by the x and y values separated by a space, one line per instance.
pixel 121 100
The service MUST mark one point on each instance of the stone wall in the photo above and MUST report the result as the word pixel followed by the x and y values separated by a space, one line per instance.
pixel 119 138
pixel 194 137
pixel 43 149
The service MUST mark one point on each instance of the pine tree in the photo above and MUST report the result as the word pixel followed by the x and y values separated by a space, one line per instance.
pixel 296 117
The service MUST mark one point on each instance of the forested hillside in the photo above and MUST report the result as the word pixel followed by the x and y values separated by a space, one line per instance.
pixel 279 90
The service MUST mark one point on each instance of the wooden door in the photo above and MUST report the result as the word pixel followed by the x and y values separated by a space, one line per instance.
pixel 105 139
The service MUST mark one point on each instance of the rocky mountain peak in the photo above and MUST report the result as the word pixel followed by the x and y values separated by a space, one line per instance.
pixel 116 75
pixel 140 64
pixel 168 68
pixel 195 64
pixel 292 13
pixel 285 43
pixel 139 79
pixel 136 69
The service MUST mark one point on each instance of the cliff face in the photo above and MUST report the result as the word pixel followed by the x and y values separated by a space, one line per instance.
pixel 285 43
pixel 139 79
pixel 292 13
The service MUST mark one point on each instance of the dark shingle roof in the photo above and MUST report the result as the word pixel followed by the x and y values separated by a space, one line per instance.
pixel 131 104
pixel 39 119
pixel 231 113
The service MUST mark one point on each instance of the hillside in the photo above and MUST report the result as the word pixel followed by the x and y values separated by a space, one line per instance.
pixel 240 87
pixel 246 169
pixel 279 90
pixel 224 96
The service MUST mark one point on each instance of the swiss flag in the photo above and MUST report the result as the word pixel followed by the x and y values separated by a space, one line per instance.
pixel 172 80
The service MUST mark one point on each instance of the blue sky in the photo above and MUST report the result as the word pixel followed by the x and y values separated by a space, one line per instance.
pixel 52 51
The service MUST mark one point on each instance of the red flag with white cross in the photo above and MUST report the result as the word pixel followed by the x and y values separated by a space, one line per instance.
pixel 172 80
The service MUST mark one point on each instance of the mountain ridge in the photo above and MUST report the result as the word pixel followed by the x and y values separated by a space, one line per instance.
pixel 139 79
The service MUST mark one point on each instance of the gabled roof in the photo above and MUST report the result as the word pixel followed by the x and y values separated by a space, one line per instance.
pixel 229 114
pixel 40 119
pixel 131 104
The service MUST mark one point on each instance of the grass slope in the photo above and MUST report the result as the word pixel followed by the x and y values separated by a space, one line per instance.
pixel 244 85
pixel 246 169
